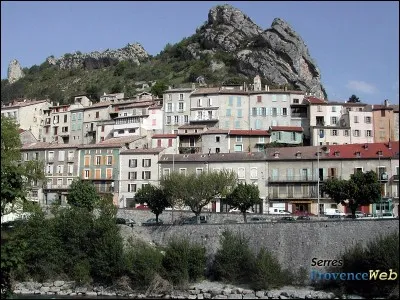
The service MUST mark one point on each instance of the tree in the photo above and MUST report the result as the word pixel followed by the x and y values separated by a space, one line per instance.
pixel 353 99
pixel 83 194
pixel 154 197
pixel 243 197
pixel 158 89
pixel 197 191
pixel 360 189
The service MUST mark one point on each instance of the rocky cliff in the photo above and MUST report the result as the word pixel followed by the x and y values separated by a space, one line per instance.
pixel 278 54
pixel 95 60
pixel 14 71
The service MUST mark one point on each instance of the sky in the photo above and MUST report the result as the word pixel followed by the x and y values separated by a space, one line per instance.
pixel 355 44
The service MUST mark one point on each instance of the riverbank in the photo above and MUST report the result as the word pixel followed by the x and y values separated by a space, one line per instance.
pixel 201 290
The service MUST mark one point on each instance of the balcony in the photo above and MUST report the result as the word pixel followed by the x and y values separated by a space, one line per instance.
pixel 204 120
pixel 188 150
pixel 288 196
pixel 126 126
pixel 56 187
pixel 305 178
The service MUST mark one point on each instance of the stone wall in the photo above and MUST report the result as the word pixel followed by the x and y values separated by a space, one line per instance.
pixel 294 243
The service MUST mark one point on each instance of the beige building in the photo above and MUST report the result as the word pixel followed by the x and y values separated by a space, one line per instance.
pixel 176 108
pixel 29 114
pixel 383 123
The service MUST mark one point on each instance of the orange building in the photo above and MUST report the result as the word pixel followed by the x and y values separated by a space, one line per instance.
pixel 383 123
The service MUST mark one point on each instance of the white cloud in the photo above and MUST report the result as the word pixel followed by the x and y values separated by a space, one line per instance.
pixel 361 86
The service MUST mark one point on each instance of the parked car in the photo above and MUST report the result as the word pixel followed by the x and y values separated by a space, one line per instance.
pixel 193 220
pixel 237 210
pixel 386 215
pixel 284 219
pixel 130 222
pixel 303 218
pixel 153 222
pixel 142 207
pixel 359 214
pixel 258 219
pixel 120 221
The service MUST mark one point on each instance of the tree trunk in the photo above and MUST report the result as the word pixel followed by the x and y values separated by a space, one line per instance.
pixel 353 207
pixel 245 217
pixel 198 217
pixel 156 218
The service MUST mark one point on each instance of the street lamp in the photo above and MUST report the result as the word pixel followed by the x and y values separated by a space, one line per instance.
pixel 380 183
pixel 319 213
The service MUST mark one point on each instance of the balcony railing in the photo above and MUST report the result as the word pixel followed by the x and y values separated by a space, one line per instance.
pixel 56 186
pixel 314 195
pixel 298 178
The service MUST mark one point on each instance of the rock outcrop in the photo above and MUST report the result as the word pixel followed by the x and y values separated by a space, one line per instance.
pixel 278 53
pixel 14 71
pixel 95 60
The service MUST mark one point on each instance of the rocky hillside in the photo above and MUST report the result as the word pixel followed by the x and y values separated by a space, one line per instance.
pixel 228 48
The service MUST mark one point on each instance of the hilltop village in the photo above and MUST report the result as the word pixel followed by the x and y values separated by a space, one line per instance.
pixel 284 141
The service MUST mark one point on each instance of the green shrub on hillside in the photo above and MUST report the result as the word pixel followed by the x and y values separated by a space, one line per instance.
pixel 184 262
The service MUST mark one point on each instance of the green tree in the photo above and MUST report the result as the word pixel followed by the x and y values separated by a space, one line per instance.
pixel 158 88
pixel 197 191
pixel 360 189
pixel 83 194
pixel 154 197
pixel 353 99
pixel 243 197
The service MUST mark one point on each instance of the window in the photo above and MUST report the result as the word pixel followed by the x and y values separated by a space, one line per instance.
pixel 334 132
pixel 98 160
pixel 346 132
pixel 356 132
pixel 132 163
pixel 279 135
pixel 65 118
pixel 131 188
pixel 209 102
pixel 217 150
pixel 358 170
pixel 182 171
pixel 293 134
pixel 259 99
pixel 253 173
pixel 87 173
pixel 26 156
pixel 169 107
pixel 333 120
pixel 319 108
pixel 228 112
pixel 239 113
pixel 254 111
pixel 97 114
pixel 230 101
pixel 217 139
pixel 180 96
pixel 186 119
pixel 239 102
pixel 168 120
pixel 239 139
pixel 199 115
pixel 296 101
pixel 210 115
pixel 176 119
pixel 368 133
pixel 73 116
pixel 199 103
pixel 284 111
pixel 60 169
pixel 70 168
pixel 238 148
pixel 61 155
pixel 237 124
pixel 261 139
pixel 383 113
pixel 333 108
pixel 121 131
pixel 146 163
pixel 180 106
pixel 241 173
pixel 355 119
pixel 166 171
pixel 263 111
pixel 274 112
pixel 199 171
pixel 273 98
pixel 79 116
pixel 368 120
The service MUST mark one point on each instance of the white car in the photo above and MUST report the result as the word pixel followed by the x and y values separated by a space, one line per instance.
pixel 237 210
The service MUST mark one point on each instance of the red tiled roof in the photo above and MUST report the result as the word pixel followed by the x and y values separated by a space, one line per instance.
pixel 287 128
pixel 216 131
pixel 249 132
pixel 380 107
pixel 348 151
pixel 191 126
pixel 315 100
pixel 164 136
pixel 21 130
pixel 143 151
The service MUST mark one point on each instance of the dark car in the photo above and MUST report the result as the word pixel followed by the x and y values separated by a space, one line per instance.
pixel 123 221
pixel 152 222
pixel 303 218
pixel 193 220
pixel 120 221
pixel 258 219
pixel 286 219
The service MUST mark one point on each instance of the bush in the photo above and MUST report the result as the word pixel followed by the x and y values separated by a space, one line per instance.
pixel 81 272
pixel 234 260
pixel 184 262
pixel 142 262
pixel 381 254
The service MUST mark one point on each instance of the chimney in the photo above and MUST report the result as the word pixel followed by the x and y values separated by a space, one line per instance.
pixel 386 102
